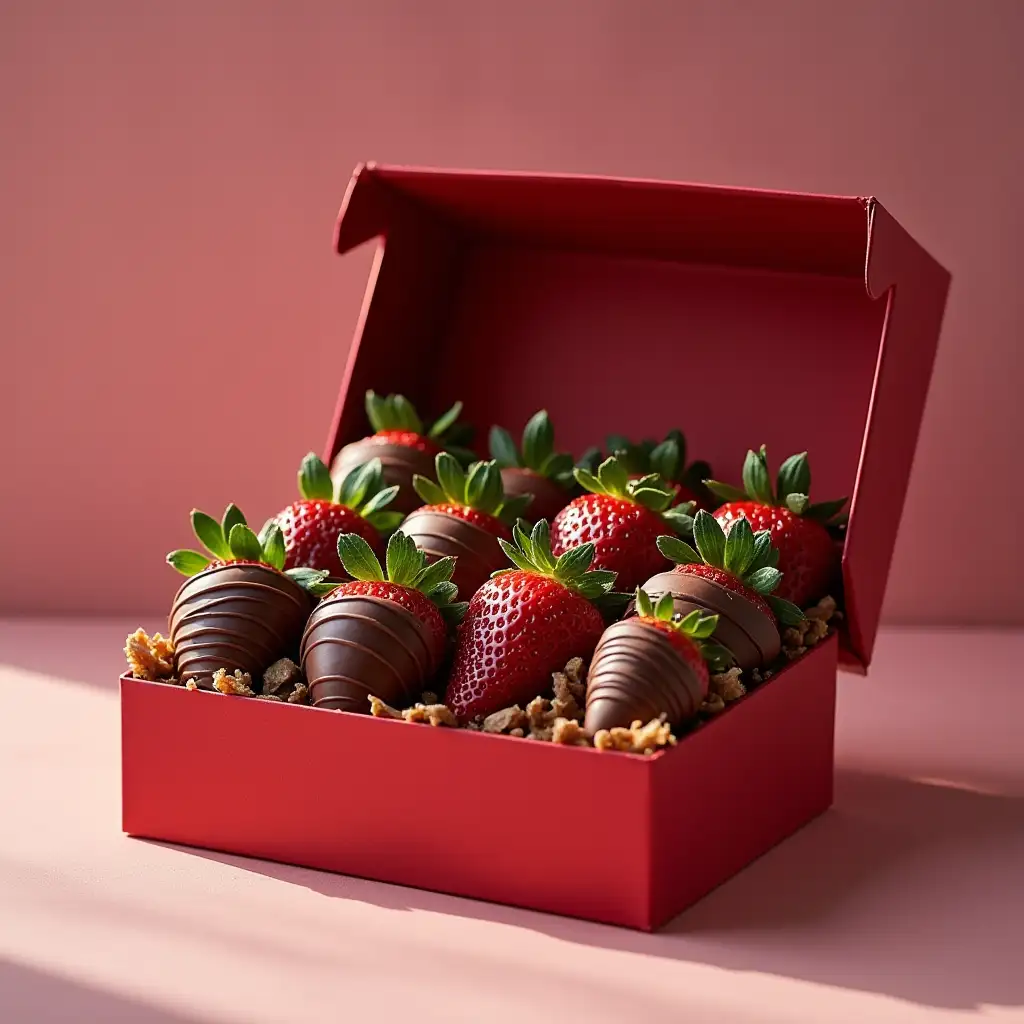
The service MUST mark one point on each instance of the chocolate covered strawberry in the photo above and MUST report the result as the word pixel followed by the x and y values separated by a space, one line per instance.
pixel 808 555
pixel 623 519
pixel 526 623
pixel 239 609
pixel 385 633
pixel 404 444
pixel 535 467
pixel 651 665
pixel 465 515
pixel 357 503
pixel 733 577
pixel 666 458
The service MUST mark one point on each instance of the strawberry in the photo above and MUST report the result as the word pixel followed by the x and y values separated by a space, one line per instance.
pixel 808 555
pixel 525 623
pixel 385 633
pixel 404 444
pixel 239 610
pixel 650 666
pixel 465 515
pixel 355 504
pixel 536 468
pixel 666 458
pixel 623 519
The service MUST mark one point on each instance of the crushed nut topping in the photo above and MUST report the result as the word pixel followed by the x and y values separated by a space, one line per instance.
pixel 191 685
pixel 815 627
pixel 712 705
pixel 149 657
pixel 282 677
pixel 505 720
pixel 638 738
pixel 238 685
pixel 431 714
pixel 300 695
pixel 728 685
pixel 569 732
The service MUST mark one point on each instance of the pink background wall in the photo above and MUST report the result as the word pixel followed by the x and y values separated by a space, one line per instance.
pixel 173 322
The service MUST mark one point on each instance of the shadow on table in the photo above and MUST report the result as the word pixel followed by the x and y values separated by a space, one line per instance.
pixel 908 889
pixel 29 996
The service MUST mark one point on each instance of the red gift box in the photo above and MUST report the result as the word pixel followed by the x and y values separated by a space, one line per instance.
pixel 744 317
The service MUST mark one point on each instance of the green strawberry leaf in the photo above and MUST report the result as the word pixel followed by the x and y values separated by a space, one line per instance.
pixel 613 477
pixel 428 491
pixel 680 520
pixel 451 477
pixel 538 440
pixel 794 476
pixel 384 522
pixel 405 415
pixel 756 479
pixel 446 421
pixel 433 575
pixel 377 412
pixel 557 466
pixel 187 562
pixel 315 479
pixel 718 657
pixel 786 612
pixel 540 541
pixel 378 501
pixel 465 457
pixel 232 517
pixel 313 580
pixel 454 613
pixel 361 482
pixel 273 547
pixel 210 535
pixel 503 448
pixel 520 559
pixel 245 544
pixel 665 460
pixel 796 503
pixel 824 511
pixel 710 539
pixel 739 547
pixel 764 581
pixel 358 558
pixel 705 627
pixel 644 608
pixel 403 559
pixel 764 553
pixel 574 563
pixel 476 483
pixel 688 623
pixel 589 461
pixel 666 606
pixel 514 508
pixel 726 492
pixel 655 500
pixel 678 551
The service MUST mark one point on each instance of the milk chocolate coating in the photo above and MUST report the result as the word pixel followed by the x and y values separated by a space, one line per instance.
pixel 355 646
pixel 751 636
pixel 398 463
pixel 235 617
pixel 636 673
pixel 548 498
pixel 477 552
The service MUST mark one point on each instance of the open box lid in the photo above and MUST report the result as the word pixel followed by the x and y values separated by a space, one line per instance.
pixel 743 317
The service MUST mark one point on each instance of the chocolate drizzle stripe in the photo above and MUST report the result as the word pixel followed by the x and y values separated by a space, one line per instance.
pixel 215 596
pixel 198 629
pixel 714 608
pixel 349 681
pixel 337 612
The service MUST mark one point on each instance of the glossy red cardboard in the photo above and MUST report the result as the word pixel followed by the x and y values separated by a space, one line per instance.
pixel 743 317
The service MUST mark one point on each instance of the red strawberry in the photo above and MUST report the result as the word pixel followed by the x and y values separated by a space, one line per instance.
pixel 466 514
pixel 356 504
pixel 808 556
pixel 537 469
pixel 524 624
pixel 667 459
pixel 404 444
pixel 385 633
pixel 650 666
pixel 623 519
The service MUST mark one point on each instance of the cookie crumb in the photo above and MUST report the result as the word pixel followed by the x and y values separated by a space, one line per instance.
pixel 282 678
pixel 728 685
pixel 566 702
pixel 237 685
pixel 506 720
pixel 569 732
pixel 638 738
pixel 381 710
pixel 815 627
pixel 270 696
pixel 712 705
pixel 191 685
pixel 149 657
pixel 825 610
pixel 518 733
pixel 431 714
pixel 300 695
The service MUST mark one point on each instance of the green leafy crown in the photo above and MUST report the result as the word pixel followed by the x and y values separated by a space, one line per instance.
pixel 232 540
pixel 696 625
pixel 478 487
pixel 405 566
pixel 651 491
pixel 530 551
pixel 396 412
pixel 537 451
pixel 666 458
pixel 362 490
pixel 750 557
pixel 792 489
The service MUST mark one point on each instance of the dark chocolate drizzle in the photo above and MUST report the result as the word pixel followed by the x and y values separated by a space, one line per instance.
pixel 235 617
pixel 399 463
pixel 751 636
pixel 477 552
pixel 548 498
pixel 355 646
pixel 636 673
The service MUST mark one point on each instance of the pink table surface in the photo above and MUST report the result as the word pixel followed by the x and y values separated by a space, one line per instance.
pixel 903 903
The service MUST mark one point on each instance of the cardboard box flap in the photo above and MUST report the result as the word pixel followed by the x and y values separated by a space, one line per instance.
pixel 741 316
